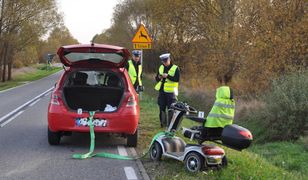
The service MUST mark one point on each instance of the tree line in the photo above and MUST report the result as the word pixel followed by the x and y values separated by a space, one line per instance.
pixel 250 41
pixel 23 28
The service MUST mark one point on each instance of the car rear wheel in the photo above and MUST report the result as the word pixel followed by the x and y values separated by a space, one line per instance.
pixel 54 137
pixel 132 139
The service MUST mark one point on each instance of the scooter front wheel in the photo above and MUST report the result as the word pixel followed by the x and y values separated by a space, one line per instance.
pixel 194 162
pixel 156 151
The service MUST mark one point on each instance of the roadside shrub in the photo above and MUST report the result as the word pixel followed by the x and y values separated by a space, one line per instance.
pixel 18 64
pixel 285 113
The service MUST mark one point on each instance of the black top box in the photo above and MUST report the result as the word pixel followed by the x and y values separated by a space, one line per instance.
pixel 236 137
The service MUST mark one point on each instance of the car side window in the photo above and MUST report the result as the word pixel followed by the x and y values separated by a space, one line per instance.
pixel 113 81
pixel 100 78
pixel 80 79
pixel 94 78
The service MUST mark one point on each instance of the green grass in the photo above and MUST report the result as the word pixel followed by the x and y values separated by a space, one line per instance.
pixel 292 157
pixel 248 164
pixel 40 72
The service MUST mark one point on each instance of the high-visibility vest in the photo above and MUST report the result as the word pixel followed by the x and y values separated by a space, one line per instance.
pixel 169 86
pixel 222 112
pixel 133 73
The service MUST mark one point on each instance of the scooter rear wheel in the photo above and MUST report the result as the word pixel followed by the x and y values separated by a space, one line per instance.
pixel 224 162
pixel 156 151
pixel 194 162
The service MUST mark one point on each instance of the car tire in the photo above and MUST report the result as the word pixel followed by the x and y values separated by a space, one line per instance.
pixel 155 152
pixel 54 137
pixel 194 162
pixel 132 139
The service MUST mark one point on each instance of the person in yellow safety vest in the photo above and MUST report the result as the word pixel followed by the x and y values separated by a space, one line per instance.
pixel 167 77
pixel 134 69
pixel 222 112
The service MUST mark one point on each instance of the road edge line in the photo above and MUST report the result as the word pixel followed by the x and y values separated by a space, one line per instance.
pixel 11 119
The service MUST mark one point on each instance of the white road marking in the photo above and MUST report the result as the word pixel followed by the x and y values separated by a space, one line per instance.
pixel 130 173
pixel 122 151
pixel 35 102
pixel 11 119
pixel 47 93
pixel 24 105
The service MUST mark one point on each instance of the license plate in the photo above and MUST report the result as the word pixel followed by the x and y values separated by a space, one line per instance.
pixel 96 122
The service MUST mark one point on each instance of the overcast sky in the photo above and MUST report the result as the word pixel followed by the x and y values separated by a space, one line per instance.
pixel 85 18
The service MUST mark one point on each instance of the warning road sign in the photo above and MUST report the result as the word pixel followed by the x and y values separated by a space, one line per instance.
pixel 142 36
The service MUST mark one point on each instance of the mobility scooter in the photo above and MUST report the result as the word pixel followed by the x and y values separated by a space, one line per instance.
pixel 196 157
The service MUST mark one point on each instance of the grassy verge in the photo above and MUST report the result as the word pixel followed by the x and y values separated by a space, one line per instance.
pixel 248 164
pixel 292 157
pixel 23 78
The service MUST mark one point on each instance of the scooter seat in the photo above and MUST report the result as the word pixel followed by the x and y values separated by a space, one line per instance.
pixel 196 119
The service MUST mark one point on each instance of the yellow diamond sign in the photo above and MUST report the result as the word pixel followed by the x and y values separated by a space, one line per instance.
pixel 142 35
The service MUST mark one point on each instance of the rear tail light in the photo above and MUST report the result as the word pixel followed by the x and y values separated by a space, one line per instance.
pixel 55 99
pixel 215 150
pixel 131 101
pixel 246 134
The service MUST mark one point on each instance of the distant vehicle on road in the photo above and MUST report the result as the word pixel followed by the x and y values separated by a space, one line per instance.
pixel 94 80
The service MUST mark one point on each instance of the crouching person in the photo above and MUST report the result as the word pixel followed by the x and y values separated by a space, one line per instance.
pixel 222 112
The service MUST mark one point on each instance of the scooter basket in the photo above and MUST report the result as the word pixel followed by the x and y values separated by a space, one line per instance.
pixel 236 137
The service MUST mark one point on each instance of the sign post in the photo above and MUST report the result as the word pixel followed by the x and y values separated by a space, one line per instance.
pixel 49 60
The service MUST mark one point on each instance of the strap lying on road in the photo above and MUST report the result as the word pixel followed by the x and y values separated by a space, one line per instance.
pixel 110 155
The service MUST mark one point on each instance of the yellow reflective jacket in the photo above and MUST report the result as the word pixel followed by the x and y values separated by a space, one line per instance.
pixel 222 112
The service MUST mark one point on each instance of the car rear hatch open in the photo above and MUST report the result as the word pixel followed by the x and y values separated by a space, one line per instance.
pixel 93 55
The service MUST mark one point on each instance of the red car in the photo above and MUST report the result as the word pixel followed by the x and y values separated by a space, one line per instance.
pixel 94 80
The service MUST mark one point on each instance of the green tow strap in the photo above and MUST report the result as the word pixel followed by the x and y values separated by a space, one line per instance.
pixel 110 155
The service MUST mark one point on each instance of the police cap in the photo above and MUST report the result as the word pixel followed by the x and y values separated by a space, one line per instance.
pixel 164 57
pixel 136 53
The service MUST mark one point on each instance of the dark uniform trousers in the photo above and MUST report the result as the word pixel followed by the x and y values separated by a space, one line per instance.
pixel 164 101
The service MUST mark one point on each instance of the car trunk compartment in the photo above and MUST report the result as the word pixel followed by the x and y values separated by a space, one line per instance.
pixel 92 98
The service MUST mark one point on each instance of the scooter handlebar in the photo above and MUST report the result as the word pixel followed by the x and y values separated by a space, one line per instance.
pixel 192 110
pixel 181 106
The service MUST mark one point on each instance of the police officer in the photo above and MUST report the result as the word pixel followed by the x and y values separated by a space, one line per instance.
pixel 167 78
pixel 134 69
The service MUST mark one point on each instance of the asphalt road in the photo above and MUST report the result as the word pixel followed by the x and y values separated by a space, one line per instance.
pixel 26 154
